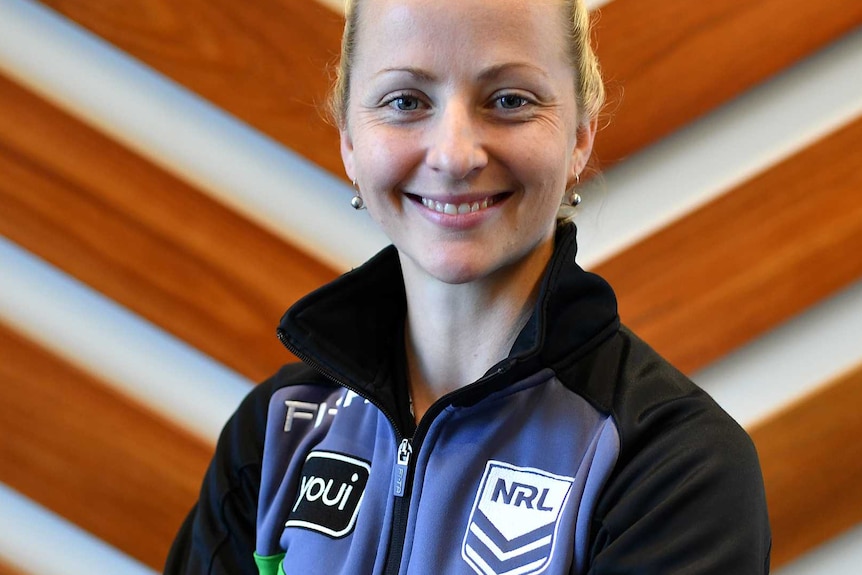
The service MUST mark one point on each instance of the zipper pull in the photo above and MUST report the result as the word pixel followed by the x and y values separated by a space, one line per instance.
pixel 402 460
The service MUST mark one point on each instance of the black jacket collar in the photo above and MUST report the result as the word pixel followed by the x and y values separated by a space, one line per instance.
pixel 348 329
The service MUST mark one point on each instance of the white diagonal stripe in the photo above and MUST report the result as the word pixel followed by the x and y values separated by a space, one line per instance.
pixel 184 134
pixel 722 149
pixel 35 540
pixel 122 349
pixel 478 563
pixel 506 555
pixel 485 569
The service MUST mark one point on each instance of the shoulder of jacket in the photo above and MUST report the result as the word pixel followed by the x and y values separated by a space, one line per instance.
pixel 297 373
pixel 246 428
pixel 648 399
pixel 290 374
pixel 682 458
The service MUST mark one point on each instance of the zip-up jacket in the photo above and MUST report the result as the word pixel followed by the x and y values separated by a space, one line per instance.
pixel 583 452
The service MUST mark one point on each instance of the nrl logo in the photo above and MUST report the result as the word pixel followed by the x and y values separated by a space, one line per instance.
pixel 513 523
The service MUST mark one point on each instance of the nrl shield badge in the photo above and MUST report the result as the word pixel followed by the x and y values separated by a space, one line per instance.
pixel 513 524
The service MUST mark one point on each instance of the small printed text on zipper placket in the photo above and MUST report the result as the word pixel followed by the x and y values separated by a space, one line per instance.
pixel 402 463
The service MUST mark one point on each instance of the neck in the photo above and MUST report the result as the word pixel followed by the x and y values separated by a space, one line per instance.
pixel 455 333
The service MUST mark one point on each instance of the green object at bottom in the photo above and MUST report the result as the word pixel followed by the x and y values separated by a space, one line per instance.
pixel 270 565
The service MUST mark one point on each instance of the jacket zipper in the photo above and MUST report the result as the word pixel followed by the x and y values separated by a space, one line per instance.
pixel 402 463
pixel 405 467
pixel 402 483
pixel 405 462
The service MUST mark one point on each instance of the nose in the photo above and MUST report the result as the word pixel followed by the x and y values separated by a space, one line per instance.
pixel 456 148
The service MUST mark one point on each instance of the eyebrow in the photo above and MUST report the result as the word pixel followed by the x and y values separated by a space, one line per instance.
pixel 417 73
pixel 489 73
pixel 493 72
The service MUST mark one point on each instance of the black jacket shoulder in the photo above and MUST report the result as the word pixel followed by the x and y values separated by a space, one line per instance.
pixel 686 494
pixel 218 535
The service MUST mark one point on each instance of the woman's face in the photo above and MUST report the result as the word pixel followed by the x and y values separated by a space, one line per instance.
pixel 462 130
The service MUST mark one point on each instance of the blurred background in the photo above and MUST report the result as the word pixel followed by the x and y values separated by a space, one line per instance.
pixel 169 186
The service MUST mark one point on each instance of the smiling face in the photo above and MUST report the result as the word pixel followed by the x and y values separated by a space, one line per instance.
pixel 462 131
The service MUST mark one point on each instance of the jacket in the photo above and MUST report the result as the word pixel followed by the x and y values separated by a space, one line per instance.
pixel 583 452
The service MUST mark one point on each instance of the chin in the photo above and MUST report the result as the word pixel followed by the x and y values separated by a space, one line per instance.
pixel 457 273
pixel 458 277
pixel 450 268
pixel 480 268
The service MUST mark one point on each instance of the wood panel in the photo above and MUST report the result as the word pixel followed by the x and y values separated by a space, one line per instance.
pixel 264 61
pixel 674 60
pixel 6 569
pixel 811 456
pixel 92 456
pixel 749 260
pixel 144 238
pixel 697 290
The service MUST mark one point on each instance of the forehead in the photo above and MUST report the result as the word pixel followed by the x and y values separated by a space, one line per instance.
pixel 408 32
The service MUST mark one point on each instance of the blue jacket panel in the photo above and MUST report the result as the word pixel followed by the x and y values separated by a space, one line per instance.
pixel 496 486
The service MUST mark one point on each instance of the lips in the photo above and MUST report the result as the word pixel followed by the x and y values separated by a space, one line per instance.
pixel 453 209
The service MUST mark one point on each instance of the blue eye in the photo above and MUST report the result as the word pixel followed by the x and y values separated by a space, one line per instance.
pixel 405 103
pixel 511 102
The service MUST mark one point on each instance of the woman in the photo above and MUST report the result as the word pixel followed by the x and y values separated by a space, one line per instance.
pixel 468 401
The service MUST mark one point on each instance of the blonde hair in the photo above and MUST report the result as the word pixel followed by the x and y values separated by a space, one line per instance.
pixel 589 88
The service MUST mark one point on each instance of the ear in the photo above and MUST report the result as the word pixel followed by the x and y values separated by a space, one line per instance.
pixel 582 149
pixel 347 153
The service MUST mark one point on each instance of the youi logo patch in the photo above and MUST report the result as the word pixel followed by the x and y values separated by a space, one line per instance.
pixel 514 520
pixel 330 492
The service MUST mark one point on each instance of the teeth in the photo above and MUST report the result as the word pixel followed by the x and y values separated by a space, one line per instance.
pixel 455 209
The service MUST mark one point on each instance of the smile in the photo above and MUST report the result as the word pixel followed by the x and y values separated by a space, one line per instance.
pixel 455 209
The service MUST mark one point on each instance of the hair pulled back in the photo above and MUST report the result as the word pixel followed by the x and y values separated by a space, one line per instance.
pixel 589 88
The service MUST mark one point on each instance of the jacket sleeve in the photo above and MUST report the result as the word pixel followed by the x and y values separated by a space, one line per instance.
pixel 218 535
pixel 686 496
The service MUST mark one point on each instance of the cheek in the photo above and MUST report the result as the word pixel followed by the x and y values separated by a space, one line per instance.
pixel 545 171
pixel 386 157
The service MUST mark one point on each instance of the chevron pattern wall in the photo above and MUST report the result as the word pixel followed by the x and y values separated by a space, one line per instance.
pixel 169 186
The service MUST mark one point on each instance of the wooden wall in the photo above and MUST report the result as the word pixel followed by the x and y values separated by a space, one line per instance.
pixel 767 249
